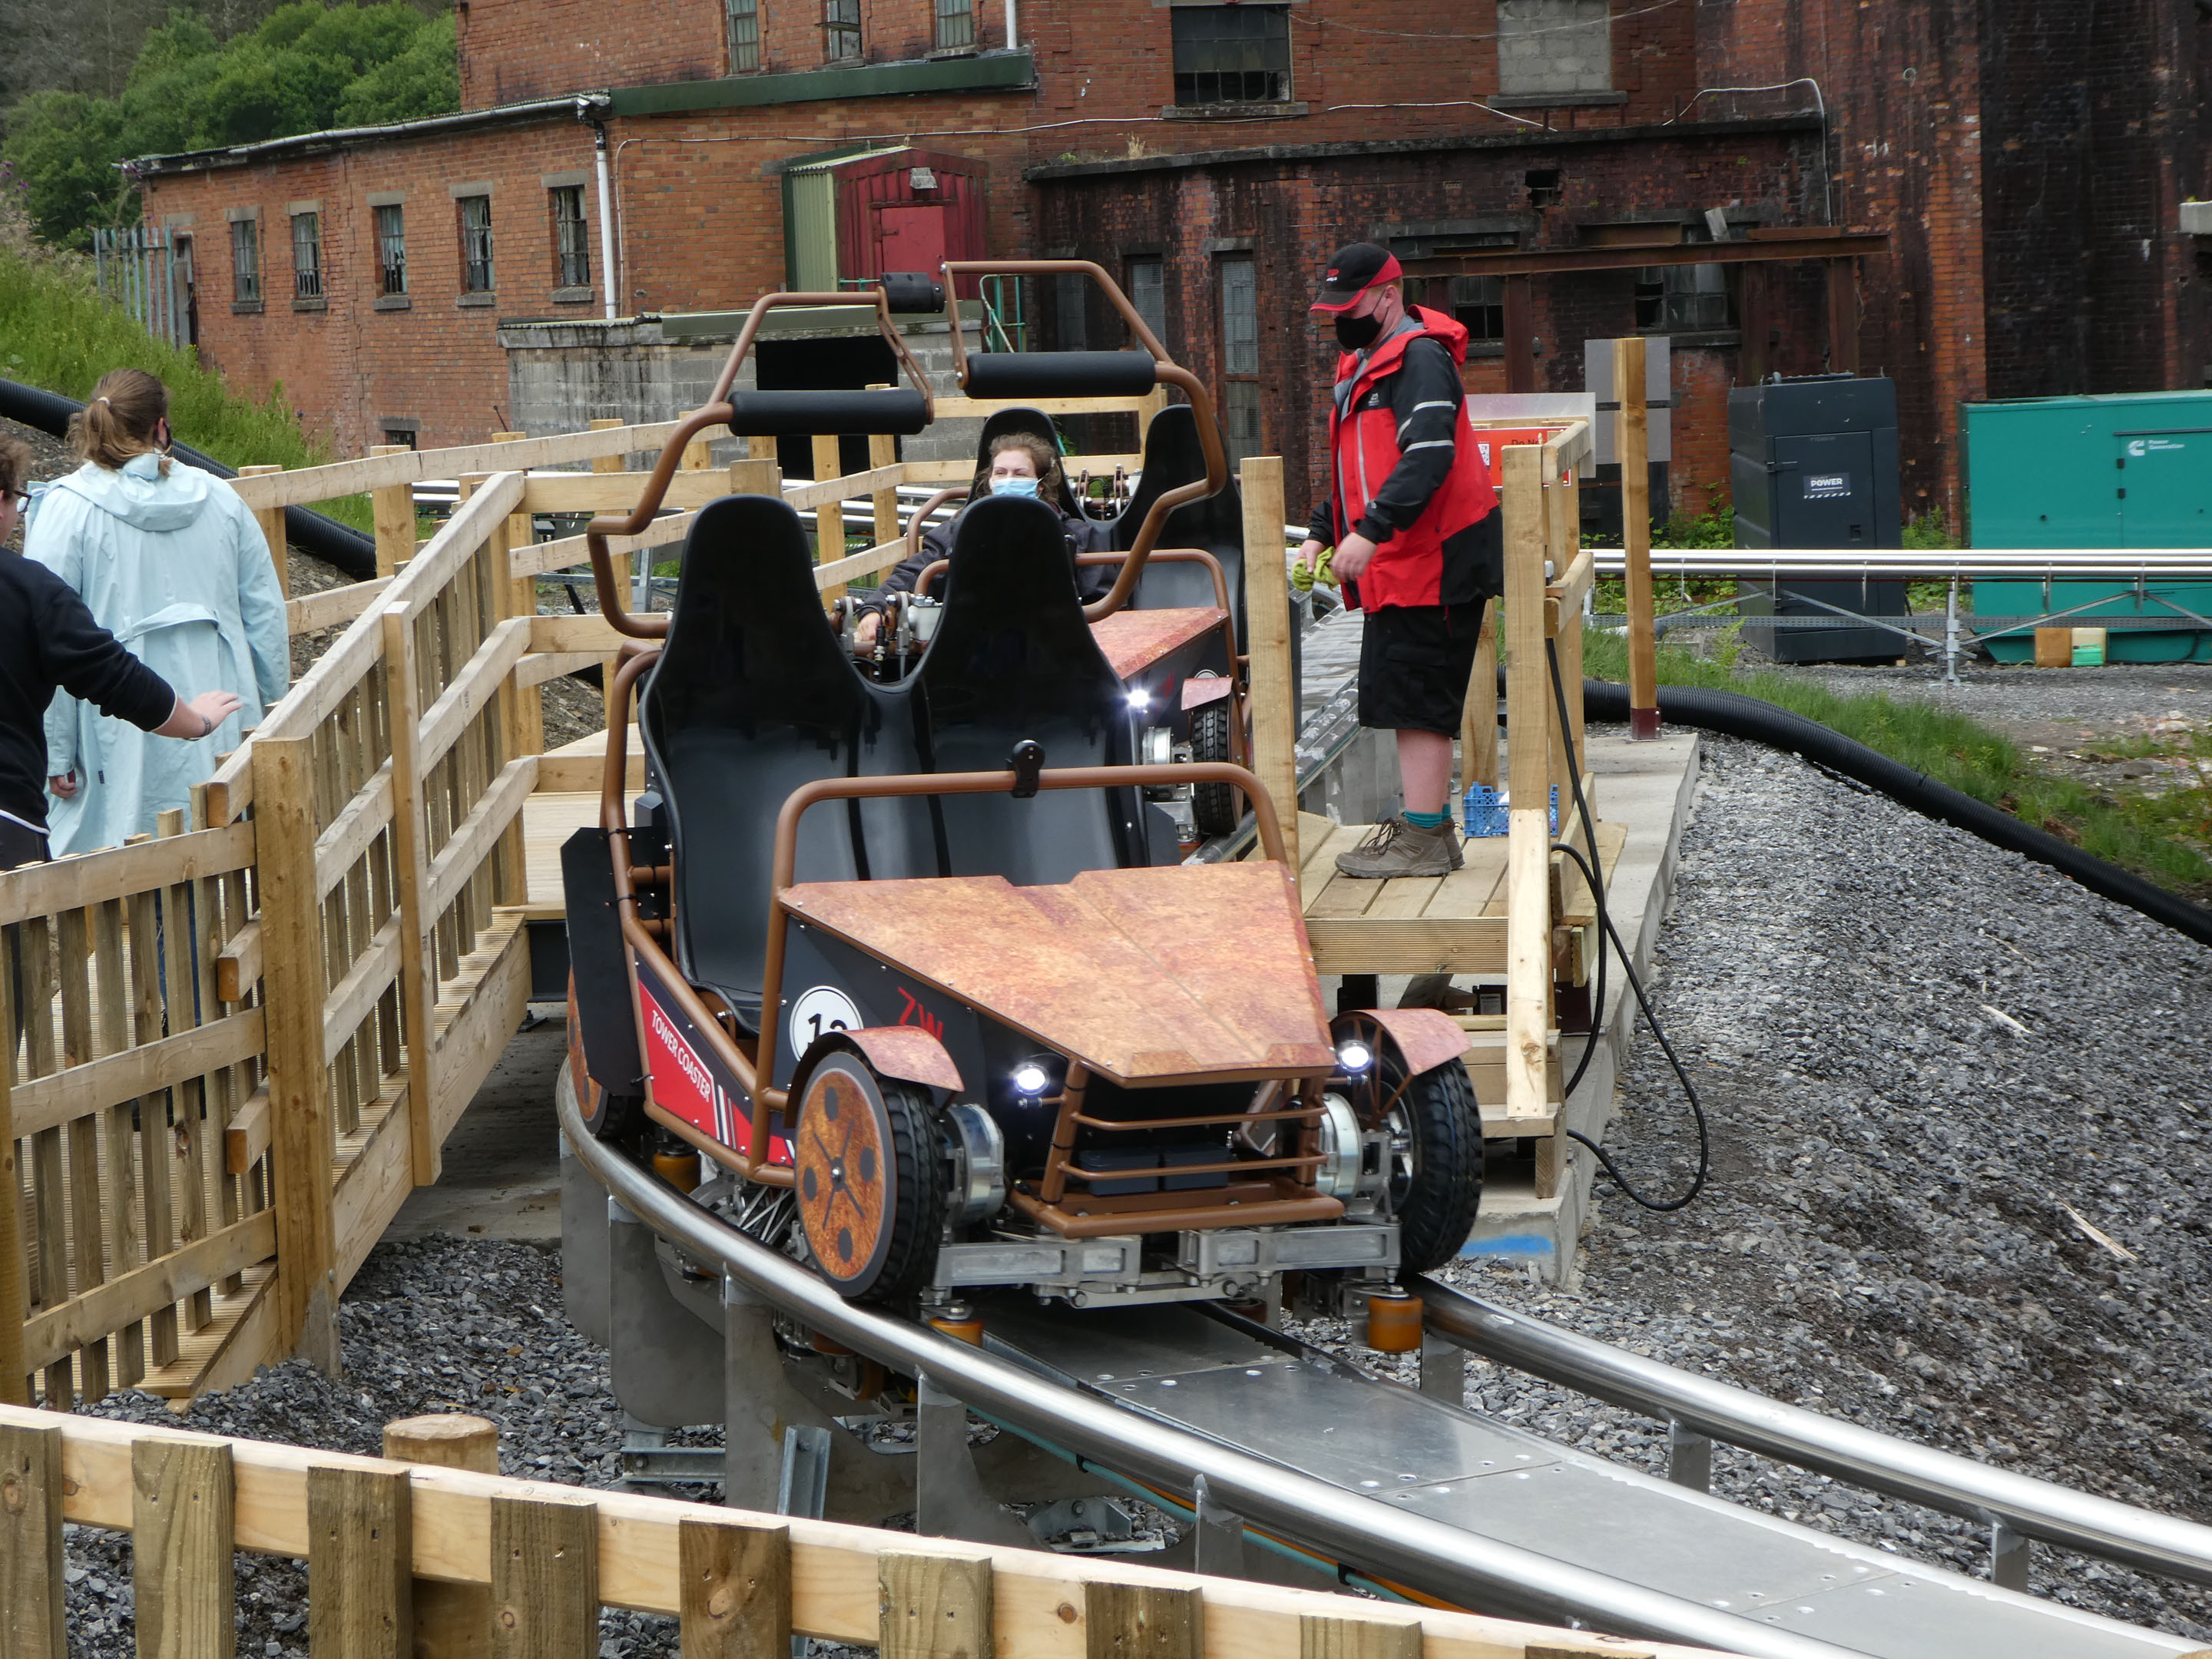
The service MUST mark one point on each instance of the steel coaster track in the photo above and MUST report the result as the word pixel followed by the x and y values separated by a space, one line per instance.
pixel 1030 1389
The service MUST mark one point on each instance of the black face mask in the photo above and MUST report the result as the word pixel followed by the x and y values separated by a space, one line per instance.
pixel 1356 333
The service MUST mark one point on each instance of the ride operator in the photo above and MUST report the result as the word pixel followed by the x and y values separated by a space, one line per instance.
pixel 1418 536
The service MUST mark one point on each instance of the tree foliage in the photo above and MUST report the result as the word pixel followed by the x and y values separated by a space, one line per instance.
pixel 305 68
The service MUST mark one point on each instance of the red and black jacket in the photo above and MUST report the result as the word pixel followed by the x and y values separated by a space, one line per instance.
pixel 1403 471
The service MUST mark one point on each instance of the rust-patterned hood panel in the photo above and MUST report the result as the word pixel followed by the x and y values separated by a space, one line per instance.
pixel 1144 975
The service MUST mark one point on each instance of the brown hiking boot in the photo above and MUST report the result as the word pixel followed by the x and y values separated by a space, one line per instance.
pixel 1398 848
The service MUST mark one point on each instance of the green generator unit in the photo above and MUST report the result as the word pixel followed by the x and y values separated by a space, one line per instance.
pixel 2132 470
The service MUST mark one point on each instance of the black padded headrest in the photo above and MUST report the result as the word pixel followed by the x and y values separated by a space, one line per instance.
pixel 899 410
pixel 913 291
pixel 1060 375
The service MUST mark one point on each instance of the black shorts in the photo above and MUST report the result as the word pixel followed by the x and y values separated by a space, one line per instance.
pixel 1414 661
pixel 20 844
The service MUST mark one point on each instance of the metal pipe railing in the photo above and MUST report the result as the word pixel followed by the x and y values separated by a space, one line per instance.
pixel 1699 1406
pixel 1370 1535
pixel 1986 563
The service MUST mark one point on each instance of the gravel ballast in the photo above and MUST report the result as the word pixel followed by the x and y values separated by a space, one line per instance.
pixel 1916 1051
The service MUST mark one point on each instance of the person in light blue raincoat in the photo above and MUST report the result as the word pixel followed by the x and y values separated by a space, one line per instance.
pixel 169 561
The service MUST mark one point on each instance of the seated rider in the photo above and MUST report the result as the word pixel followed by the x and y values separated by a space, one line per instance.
pixel 1022 464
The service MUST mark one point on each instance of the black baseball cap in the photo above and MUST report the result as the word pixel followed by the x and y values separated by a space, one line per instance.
pixel 1351 271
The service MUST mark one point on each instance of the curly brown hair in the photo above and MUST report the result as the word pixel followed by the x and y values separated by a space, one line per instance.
pixel 1043 455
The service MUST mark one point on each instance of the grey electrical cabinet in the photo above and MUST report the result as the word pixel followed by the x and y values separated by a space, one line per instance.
pixel 1813 463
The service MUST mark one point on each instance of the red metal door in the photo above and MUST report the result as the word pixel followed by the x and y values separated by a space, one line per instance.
pixel 909 236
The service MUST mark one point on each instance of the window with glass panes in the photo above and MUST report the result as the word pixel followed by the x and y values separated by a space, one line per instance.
pixel 246 262
pixel 572 239
pixel 1231 54
pixel 1148 294
pixel 475 244
pixel 956 24
pixel 392 249
pixel 841 29
pixel 1240 359
pixel 1071 295
pixel 1684 299
pixel 307 256
pixel 744 18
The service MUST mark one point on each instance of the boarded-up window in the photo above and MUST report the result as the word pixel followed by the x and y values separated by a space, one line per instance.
pixel 1148 294
pixel 1553 46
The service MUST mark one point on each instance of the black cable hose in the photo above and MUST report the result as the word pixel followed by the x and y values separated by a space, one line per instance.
pixel 1590 873
pixel 332 543
pixel 1734 714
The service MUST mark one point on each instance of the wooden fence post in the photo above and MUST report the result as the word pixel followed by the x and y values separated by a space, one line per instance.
pixel 417 959
pixel 395 517
pixel 1478 731
pixel 1358 1638
pixel 544 1577
pixel 736 1590
pixel 1142 1621
pixel 360 1555
pixel 1633 432
pixel 526 723
pixel 300 1141
pixel 31 1613
pixel 271 520
pixel 14 1386
pixel 451 1622
pixel 883 451
pixel 1528 754
pixel 183 1523
pixel 1273 696
pixel 934 1607
pixel 829 516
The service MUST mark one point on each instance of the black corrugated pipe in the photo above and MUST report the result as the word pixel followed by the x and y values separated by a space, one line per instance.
pixel 332 543
pixel 1735 715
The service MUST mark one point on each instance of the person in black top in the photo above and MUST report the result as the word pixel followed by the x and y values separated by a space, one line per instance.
pixel 48 640
pixel 1022 464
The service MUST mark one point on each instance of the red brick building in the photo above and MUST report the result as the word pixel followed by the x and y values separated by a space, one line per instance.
pixel 2026 164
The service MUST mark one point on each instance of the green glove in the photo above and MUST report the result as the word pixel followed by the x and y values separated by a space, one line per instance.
pixel 1303 575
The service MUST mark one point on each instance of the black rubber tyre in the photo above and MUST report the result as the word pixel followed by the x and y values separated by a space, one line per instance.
pixel 1212 805
pixel 901 1222
pixel 608 1117
pixel 1435 1185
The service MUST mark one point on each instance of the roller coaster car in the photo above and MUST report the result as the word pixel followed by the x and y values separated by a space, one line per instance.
pixel 912 962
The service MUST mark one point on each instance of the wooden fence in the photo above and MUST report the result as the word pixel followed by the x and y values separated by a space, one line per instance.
pixel 374 1532
pixel 235 1047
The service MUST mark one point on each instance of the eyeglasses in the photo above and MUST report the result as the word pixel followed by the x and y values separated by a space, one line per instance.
pixel 18 499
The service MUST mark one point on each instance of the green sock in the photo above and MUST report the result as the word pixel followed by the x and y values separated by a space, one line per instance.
pixel 1428 820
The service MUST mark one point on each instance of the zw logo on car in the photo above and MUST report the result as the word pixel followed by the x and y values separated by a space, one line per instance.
pixel 914 1014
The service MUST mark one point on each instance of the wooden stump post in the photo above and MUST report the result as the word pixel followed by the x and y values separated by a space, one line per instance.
pixel 1634 448
pixel 395 518
pixel 302 1144
pixel 1272 697
pixel 451 1622
pixel 271 520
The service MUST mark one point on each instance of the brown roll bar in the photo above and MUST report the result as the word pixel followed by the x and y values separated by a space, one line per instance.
pixel 717 411
pixel 1164 368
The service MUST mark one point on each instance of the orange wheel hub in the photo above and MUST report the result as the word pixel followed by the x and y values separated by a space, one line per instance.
pixel 846 1181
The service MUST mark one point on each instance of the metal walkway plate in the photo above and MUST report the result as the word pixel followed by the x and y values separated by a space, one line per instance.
pixel 1305 1410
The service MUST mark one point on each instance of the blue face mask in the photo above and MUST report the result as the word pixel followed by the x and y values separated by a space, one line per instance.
pixel 1016 486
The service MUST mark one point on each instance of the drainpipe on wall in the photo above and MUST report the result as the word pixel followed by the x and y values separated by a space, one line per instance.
pixel 1011 41
pixel 588 110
